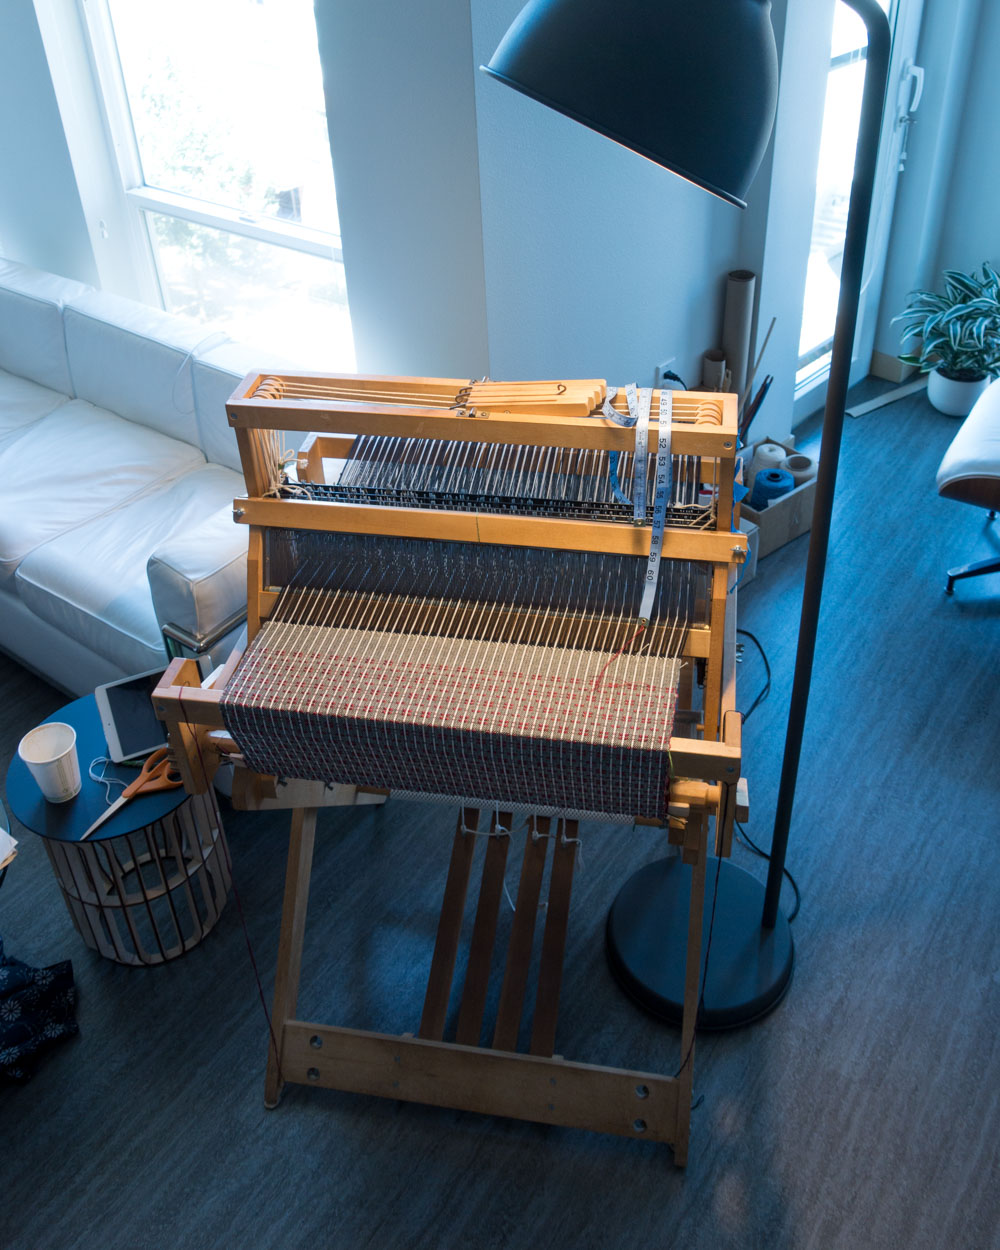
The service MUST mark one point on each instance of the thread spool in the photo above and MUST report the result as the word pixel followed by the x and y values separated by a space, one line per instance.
pixel 765 456
pixel 802 468
pixel 770 484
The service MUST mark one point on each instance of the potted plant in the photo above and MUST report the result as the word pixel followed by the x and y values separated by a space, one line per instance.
pixel 959 335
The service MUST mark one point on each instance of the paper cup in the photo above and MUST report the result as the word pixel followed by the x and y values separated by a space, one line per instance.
pixel 50 753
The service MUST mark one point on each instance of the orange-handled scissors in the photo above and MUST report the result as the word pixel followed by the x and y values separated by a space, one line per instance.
pixel 157 773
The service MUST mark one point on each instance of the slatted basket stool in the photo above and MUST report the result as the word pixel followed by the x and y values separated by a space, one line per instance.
pixel 151 882
pixel 146 897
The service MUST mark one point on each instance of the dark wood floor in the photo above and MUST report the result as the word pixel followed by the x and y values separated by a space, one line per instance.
pixel 862 1113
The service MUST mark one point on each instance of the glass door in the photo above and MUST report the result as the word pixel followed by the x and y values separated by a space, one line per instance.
pixel 841 116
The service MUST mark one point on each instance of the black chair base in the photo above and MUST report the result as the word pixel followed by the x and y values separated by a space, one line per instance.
pixel 971 570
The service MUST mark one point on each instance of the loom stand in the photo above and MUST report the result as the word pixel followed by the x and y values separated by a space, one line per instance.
pixel 492 1078
pixel 750 967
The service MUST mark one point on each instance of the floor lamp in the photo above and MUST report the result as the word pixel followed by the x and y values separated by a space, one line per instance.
pixel 693 87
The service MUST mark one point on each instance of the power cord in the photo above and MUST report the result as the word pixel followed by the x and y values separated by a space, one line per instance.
pixel 766 689
pixel 744 837
pixel 751 845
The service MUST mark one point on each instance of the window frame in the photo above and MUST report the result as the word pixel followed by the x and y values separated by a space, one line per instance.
pixel 138 198
pixel 819 355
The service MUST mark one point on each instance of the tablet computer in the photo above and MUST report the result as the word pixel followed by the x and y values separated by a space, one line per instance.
pixel 126 711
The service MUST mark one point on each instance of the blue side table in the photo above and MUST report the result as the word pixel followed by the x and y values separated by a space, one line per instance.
pixel 152 881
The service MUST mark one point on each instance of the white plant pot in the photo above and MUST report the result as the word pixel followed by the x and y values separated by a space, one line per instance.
pixel 951 397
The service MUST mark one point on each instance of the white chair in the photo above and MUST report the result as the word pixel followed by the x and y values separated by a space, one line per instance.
pixel 970 472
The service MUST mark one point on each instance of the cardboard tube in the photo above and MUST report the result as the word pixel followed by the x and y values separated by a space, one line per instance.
pixel 740 287
pixel 713 370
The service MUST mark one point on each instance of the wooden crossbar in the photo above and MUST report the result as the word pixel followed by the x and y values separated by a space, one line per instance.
pixel 704 423
pixel 556 533
pixel 491 1082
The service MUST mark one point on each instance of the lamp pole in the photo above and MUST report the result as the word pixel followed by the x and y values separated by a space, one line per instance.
pixel 752 952
pixel 852 268
pixel 707 118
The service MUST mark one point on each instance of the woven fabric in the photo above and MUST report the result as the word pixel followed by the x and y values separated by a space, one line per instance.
pixel 567 729
pixel 37 1008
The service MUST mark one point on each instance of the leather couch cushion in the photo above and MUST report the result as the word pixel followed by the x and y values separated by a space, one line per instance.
pixel 135 361
pixel 38 645
pixel 91 581
pixel 31 326
pixel 74 464
pixel 970 470
pixel 198 577
pixel 22 402
pixel 216 373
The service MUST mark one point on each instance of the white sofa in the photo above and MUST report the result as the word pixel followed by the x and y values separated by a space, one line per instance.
pixel 118 471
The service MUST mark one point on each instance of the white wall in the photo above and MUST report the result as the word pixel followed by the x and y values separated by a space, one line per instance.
pixel 946 209
pixel 971 227
pixel 401 112
pixel 598 263
pixel 777 232
pixel 41 218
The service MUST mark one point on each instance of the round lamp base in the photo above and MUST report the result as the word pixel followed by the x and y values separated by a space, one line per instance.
pixel 749 968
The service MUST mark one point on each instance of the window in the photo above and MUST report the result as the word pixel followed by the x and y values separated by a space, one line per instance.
pixel 217 116
pixel 841 118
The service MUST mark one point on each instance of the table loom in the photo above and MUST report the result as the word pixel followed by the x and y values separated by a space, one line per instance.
pixel 517 598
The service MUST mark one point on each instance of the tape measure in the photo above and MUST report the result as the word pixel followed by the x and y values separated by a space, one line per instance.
pixel 627 420
pixel 661 496
pixel 641 452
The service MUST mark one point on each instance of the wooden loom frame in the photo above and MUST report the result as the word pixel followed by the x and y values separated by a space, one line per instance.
pixel 538 1086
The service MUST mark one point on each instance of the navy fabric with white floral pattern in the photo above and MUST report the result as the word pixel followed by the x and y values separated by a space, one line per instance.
pixel 37 1007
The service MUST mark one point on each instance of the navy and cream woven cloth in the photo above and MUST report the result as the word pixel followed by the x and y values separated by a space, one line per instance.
pixel 37 1008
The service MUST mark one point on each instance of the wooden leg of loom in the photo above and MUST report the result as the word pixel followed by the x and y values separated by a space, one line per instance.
pixel 449 932
pixel 550 971
pixel 477 974
pixel 522 934
pixel 497 1081
pixel 692 988
pixel 293 925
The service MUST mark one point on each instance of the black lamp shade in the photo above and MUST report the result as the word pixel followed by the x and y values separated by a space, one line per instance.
pixel 689 84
